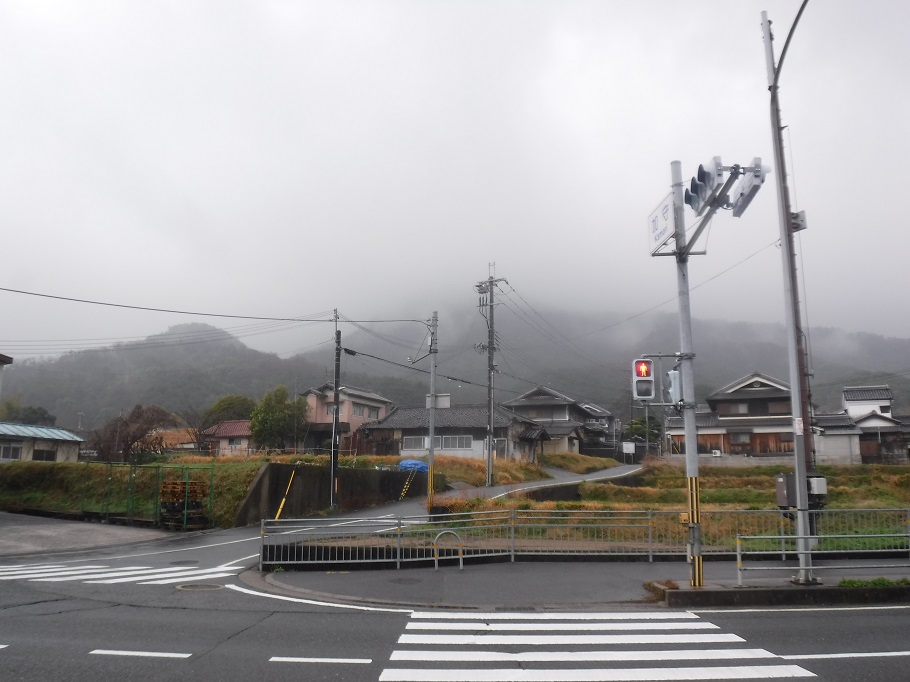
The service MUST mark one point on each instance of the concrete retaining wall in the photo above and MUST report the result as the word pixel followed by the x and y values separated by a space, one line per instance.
pixel 309 492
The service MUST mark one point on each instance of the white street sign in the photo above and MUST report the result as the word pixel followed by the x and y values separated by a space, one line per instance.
pixel 660 224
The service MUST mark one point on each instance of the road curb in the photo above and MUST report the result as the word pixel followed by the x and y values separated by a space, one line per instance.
pixel 787 595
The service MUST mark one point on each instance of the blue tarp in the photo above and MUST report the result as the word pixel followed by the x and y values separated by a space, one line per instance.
pixel 414 464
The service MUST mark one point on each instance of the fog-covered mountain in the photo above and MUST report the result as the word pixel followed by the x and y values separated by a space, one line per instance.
pixel 588 357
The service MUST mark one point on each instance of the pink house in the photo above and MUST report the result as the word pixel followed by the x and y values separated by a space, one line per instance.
pixel 356 406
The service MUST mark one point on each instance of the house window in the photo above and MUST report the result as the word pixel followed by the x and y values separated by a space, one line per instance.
pixel 885 409
pixel 10 450
pixel 732 408
pixel 457 442
pixel 413 443
pixel 329 409
pixel 779 407
pixel 357 410
pixel 44 455
pixel 234 442
pixel 373 412
pixel 740 439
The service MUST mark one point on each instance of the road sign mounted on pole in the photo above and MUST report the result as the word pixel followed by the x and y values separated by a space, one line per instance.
pixel 660 224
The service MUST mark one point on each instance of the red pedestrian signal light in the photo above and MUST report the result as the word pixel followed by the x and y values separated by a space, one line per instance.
pixel 643 379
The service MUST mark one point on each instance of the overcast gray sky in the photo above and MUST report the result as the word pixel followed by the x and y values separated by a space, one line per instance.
pixel 283 159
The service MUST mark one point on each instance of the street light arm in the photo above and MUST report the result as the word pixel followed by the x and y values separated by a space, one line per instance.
pixel 783 52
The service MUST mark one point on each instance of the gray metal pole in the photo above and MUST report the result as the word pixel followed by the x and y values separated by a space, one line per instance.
pixel 333 464
pixel 687 376
pixel 432 449
pixel 491 367
pixel 795 351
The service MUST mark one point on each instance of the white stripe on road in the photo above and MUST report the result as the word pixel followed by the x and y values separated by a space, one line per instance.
pixel 582 656
pixel 28 575
pixel 538 640
pixel 27 567
pixel 746 672
pixel 584 615
pixel 551 627
pixel 295 659
pixel 109 573
pixel 201 576
pixel 166 576
pixel 150 654
pixel 859 654
pixel 313 602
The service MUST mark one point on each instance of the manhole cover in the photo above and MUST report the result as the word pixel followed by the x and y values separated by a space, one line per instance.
pixel 200 587
pixel 185 562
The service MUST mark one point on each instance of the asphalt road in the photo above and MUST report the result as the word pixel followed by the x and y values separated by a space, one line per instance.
pixel 194 607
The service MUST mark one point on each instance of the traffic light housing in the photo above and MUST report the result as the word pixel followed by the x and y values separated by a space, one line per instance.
pixel 643 379
pixel 745 190
pixel 701 186
pixel 674 386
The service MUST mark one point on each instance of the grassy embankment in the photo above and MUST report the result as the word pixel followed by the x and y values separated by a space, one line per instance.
pixel 77 487
pixel 96 487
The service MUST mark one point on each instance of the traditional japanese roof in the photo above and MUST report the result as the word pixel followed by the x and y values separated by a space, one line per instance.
pixel 860 393
pixel 462 416
pixel 353 391
pixel 544 395
pixel 37 432
pixel 235 428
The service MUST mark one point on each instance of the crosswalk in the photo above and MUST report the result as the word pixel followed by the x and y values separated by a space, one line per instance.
pixel 107 575
pixel 575 647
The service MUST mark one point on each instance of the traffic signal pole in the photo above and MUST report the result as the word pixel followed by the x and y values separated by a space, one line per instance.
pixel 687 374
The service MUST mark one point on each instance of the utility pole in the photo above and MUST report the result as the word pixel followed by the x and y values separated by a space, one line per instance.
pixel 333 463
pixel 485 289
pixel 799 375
pixel 687 373
pixel 433 352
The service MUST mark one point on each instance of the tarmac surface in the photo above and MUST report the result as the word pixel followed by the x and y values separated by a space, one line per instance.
pixel 540 585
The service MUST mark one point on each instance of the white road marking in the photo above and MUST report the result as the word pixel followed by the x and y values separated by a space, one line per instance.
pixel 749 672
pixel 544 640
pixel 533 627
pixel 568 615
pixel 582 656
pixel 295 659
pixel 150 654
pixel 313 602
pixel 858 654
pixel 194 576
pixel 38 573
pixel 814 609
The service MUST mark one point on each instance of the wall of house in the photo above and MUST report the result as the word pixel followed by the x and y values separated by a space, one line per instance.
pixel 830 449
pixel 225 448
pixel 319 414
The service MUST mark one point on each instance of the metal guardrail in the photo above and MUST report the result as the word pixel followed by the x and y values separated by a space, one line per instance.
pixel 878 543
pixel 515 532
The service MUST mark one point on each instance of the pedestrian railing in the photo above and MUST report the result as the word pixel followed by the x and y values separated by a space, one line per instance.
pixel 513 533
pixel 820 546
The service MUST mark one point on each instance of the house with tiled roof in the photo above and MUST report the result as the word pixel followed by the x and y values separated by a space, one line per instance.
pixel 459 431
pixel 573 425
pixel 232 437
pixel 752 417
pixel 884 438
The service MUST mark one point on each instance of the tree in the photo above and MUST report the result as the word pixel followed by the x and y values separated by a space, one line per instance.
pixel 645 430
pixel 277 419
pixel 231 407
pixel 15 412
pixel 125 437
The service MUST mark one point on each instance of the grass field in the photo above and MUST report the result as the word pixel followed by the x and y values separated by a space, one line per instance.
pixel 98 487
